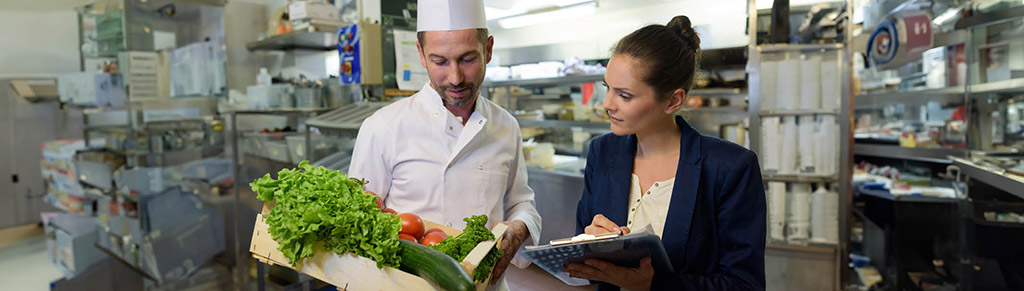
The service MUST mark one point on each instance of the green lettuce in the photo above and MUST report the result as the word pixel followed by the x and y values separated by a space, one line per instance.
pixel 459 246
pixel 315 205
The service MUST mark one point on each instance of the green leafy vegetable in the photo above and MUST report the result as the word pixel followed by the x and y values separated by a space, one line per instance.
pixel 316 205
pixel 459 246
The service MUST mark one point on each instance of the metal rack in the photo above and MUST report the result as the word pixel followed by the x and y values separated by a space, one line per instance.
pixel 766 113
pixel 823 262
pixel 998 178
pixel 933 155
pixel 346 118
pixel 242 256
pixel 590 125
pixel 945 95
pixel 296 40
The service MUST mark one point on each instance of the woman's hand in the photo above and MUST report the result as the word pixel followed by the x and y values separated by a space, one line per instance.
pixel 601 224
pixel 638 278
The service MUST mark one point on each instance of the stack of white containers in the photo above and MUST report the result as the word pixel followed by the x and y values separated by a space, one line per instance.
pixel 803 143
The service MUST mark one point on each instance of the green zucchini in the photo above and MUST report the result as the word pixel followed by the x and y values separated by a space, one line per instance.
pixel 434 266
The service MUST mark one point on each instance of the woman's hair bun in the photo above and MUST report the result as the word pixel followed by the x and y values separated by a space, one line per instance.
pixel 681 26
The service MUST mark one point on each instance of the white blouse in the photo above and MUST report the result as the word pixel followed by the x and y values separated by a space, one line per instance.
pixel 651 208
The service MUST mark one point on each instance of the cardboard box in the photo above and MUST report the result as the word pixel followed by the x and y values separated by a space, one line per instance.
pixel 92 89
pixel 349 271
pixel 312 10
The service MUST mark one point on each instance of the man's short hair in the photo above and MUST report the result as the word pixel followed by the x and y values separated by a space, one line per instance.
pixel 481 35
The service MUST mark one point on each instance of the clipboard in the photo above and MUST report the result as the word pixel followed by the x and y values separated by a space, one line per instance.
pixel 623 250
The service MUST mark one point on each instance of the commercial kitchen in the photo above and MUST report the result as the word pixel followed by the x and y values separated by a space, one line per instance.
pixel 242 144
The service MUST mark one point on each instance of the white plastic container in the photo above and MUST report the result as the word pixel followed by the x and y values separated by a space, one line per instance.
pixel 543 155
pixel 263 78
pixel 798 216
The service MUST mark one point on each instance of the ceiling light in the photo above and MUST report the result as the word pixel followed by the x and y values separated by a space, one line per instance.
pixel 546 15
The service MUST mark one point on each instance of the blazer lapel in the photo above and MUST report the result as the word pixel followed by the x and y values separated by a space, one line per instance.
pixel 620 181
pixel 684 192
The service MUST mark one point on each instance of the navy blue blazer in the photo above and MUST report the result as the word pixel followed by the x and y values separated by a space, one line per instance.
pixel 715 229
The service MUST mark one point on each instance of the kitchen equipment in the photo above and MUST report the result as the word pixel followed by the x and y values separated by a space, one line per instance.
pixel 310 94
pixel 954 132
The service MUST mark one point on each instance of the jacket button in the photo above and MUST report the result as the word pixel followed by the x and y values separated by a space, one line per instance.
pixel 634 209
pixel 655 184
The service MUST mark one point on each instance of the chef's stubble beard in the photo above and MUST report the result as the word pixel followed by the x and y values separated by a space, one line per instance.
pixel 452 101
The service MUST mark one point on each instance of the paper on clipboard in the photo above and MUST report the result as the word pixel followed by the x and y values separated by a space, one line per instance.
pixel 409 73
pixel 553 257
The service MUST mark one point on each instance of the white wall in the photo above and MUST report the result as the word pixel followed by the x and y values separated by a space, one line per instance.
pixel 720 24
pixel 38 43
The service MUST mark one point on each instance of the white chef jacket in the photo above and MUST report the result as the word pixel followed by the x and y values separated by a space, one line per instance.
pixel 420 158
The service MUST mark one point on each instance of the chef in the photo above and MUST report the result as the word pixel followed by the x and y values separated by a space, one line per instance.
pixel 446 153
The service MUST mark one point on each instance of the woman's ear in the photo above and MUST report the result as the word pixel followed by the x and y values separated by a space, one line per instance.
pixel 676 101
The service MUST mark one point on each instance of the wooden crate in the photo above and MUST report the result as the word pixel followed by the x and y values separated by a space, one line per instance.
pixel 351 272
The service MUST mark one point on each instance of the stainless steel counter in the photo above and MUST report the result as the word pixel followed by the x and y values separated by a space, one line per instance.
pixel 557 194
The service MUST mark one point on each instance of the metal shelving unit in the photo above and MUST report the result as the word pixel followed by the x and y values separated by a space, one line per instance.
pixel 724 109
pixel 346 118
pixel 991 17
pixel 933 155
pixel 296 40
pixel 799 178
pixel 944 95
pixel 565 124
pixel 1012 86
pixel 766 113
pixel 242 256
pixel 826 249
pixel 998 178
pixel 767 48
pixel 556 81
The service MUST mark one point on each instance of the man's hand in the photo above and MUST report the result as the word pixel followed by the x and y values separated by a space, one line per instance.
pixel 638 278
pixel 514 236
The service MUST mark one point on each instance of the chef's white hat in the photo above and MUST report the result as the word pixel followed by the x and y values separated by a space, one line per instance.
pixel 450 15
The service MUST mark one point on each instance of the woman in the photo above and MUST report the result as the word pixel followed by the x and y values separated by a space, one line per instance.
pixel 703 196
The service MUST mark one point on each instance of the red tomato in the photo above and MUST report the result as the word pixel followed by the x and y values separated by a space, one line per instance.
pixel 411 224
pixel 434 230
pixel 380 202
pixel 407 237
pixel 433 238
pixel 389 210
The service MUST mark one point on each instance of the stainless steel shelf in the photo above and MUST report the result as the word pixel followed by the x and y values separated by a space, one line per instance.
pixel 769 48
pixel 799 178
pixel 805 248
pixel 296 40
pixel 349 117
pixel 945 95
pixel 279 111
pixel 204 150
pixel 797 112
pixel 1012 86
pixel 567 80
pixel 566 124
pixel 726 109
pixel 933 155
pixel 717 91
pixel 991 17
pixel 995 177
